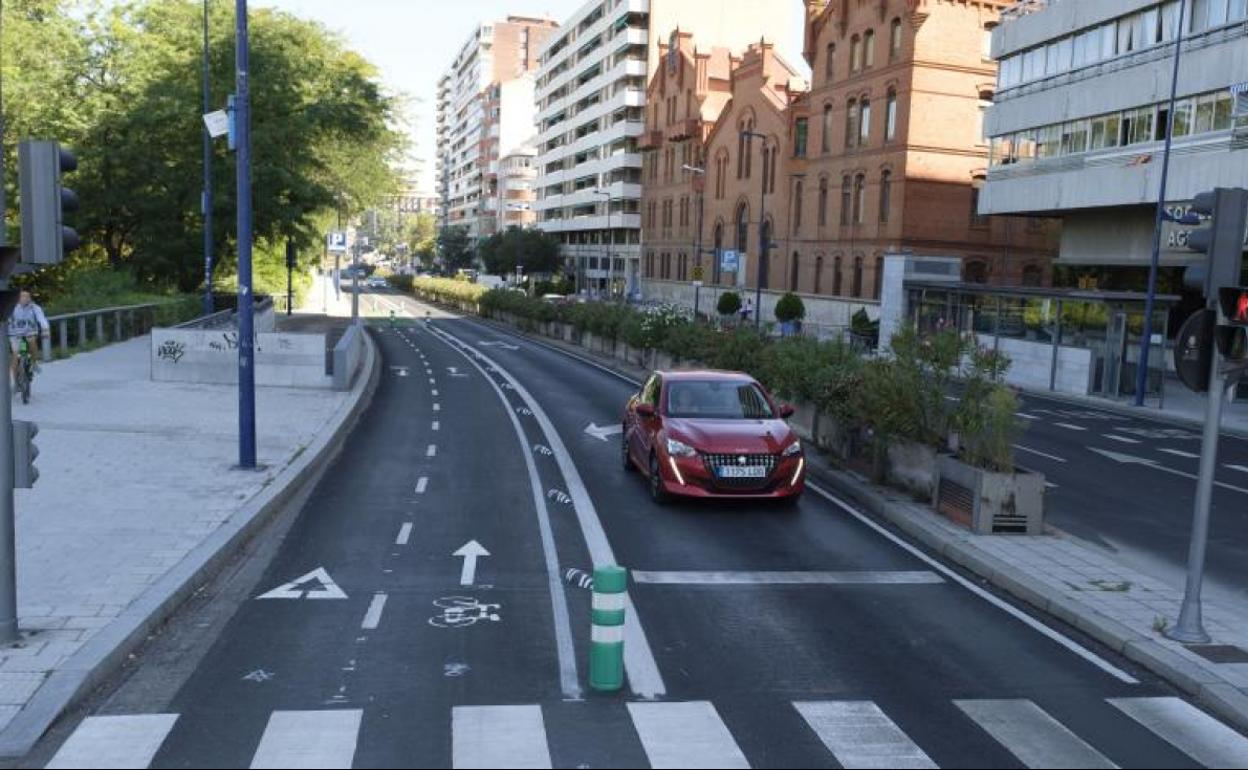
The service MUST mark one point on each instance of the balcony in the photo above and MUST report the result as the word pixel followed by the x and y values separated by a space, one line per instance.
pixel 686 129
pixel 651 140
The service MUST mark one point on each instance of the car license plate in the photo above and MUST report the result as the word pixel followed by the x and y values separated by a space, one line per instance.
pixel 742 471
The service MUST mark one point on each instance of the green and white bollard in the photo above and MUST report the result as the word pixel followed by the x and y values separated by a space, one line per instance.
pixel 606 648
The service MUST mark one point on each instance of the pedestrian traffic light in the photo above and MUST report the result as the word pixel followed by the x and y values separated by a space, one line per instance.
pixel 44 202
pixel 1232 335
pixel 25 474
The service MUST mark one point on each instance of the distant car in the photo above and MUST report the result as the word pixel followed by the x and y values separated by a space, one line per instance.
pixel 712 434
pixel 377 282
pixel 555 299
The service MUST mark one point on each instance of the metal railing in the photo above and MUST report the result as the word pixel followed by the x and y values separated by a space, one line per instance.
pixel 103 325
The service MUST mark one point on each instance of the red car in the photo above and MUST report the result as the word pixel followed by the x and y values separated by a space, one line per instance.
pixel 712 434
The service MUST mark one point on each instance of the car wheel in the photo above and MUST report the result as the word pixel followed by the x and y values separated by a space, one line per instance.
pixel 625 459
pixel 657 493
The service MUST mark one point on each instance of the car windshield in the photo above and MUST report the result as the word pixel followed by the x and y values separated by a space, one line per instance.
pixel 717 400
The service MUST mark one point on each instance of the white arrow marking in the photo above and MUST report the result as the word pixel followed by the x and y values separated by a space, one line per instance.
pixel 502 345
pixel 454 370
pixel 471 551
pixel 602 433
pixel 292 590
pixel 399 370
pixel 1133 460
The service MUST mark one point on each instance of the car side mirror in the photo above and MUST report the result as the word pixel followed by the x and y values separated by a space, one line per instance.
pixel 645 410
pixel 786 411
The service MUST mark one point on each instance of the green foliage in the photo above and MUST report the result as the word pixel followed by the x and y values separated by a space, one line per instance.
pixel 560 285
pixel 518 304
pixel 729 303
pixel 740 350
pixel 904 394
pixel 986 418
pixel 119 83
pixel 404 282
pixel 455 248
pixel 790 308
pixel 534 250
pixel 448 290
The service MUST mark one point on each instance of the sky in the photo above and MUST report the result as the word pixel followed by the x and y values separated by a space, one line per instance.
pixel 413 41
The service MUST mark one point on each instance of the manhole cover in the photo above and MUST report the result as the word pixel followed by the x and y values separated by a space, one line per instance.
pixel 1220 653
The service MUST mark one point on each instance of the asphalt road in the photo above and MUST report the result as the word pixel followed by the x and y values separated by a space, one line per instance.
pixel 880 656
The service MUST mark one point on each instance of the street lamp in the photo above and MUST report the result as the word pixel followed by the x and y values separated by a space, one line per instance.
pixel 611 237
pixel 700 187
pixel 1146 342
pixel 763 246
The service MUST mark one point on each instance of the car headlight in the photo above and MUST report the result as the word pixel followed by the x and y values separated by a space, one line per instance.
pixel 679 448
pixel 793 449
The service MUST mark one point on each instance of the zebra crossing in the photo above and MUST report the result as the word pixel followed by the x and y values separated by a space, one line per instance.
pixel 690 734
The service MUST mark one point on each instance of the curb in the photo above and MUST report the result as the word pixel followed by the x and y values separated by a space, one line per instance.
pixel 105 652
pixel 1214 693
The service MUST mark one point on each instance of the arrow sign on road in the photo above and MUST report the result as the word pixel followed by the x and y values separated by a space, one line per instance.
pixel 317 584
pixel 1126 459
pixel 471 551
pixel 399 370
pixel 496 344
pixel 602 433
pixel 454 370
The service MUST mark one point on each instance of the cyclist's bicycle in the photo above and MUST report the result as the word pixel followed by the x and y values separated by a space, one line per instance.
pixel 25 370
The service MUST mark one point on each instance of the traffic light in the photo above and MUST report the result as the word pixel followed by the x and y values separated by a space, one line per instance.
pixel 1232 334
pixel 45 237
pixel 1223 239
pixel 25 474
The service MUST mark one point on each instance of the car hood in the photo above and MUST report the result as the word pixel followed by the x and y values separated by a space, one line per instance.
pixel 732 436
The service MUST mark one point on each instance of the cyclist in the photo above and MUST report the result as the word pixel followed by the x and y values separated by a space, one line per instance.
pixel 29 322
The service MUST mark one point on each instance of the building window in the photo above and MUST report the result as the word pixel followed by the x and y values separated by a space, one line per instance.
pixel 801 129
pixel 818 274
pixel 855 54
pixel 1033 275
pixel 829 59
pixel 719 248
pixel 743 227
pixel 826 129
pixel 856 290
pixel 860 199
pixel 851 122
pixel 868 48
pixel 797 207
pixel 890 115
pixel 977 219
pixel 894 40
pixel 771 177
pixel 975 271
pixel 886 194
pixel 837 280
pixel 823 202
pixel 764 267
pixel 879 277
pixel 794 271
pixel 846 199
pixel 864 122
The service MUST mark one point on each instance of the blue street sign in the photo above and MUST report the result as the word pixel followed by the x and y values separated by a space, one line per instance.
pixel 729 261
pixel 336 242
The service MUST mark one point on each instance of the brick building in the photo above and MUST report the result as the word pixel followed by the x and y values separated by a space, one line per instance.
pixel 883 152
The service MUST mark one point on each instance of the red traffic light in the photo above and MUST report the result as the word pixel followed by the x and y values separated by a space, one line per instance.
pixel 1234 302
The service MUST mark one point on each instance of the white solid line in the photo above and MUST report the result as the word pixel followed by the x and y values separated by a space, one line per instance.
pixel 1068 426
pixel 115 741
pixel 1121 439
pixel 1188 729
pixel 372 618
pixel 995 601
pixel 498 736
pixel 421 484
pixel 1045 455
pixel 432 450
pixel 859 734
pixel 1240 468
pixel 405 534
pixel 787 578
pixel 1181 453
pixel 436 425
pixel 569 680
pixel 1026 416
pixel 685 735
pixel 1037 739
pixel 309 739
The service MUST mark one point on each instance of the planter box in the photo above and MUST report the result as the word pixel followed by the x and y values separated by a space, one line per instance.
pixel 912 467
pixel 989 503
pixel 805 421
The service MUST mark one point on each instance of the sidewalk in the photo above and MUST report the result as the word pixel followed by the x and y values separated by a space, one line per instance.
pixel 1181 407
pixel 137 502
pixel 1058 575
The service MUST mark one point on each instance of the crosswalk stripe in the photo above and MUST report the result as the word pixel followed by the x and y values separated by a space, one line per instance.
pixel 309 739
pixel 860 735
pixel 1188 729
pixel 685 735
pixel 115 741
pixel 1037 739
pixel 498 736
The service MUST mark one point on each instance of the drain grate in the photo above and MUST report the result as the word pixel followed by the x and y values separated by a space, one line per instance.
pixel 1220 653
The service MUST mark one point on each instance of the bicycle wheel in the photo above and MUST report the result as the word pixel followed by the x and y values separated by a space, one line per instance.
pixel 27 376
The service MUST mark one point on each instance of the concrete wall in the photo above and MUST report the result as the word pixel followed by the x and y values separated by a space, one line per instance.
pixel 282 360
pixel 1031 363
pixel 823 313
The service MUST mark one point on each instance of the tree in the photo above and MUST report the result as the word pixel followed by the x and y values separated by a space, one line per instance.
pixel 729 303
pixel 455 247
pixel 534 250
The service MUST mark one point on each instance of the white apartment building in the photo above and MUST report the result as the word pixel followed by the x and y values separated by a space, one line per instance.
pixel 591 93
pixel 485 109
pixel 1079 121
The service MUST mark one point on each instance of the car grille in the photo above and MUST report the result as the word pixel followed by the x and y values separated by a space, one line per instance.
pixel 715 461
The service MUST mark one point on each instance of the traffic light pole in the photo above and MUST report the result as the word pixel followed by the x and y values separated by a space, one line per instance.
pixel 246 307
pixel 8 527
pixel 207 197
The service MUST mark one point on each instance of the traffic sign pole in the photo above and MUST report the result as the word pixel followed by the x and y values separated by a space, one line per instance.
pixel 246 326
